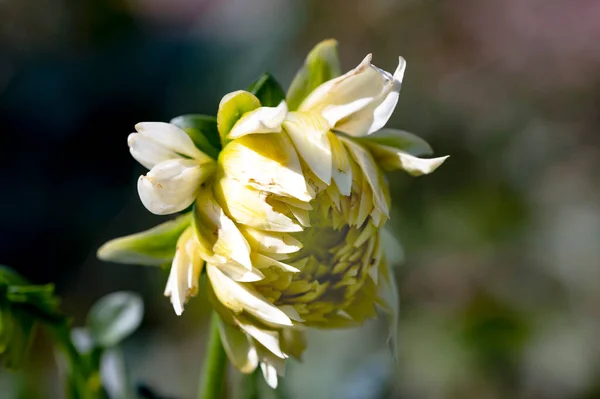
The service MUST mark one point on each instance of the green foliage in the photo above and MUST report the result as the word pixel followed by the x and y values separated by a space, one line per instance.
pixel 203 131
pixel 114 317
pixel 321 64
pixel 267 90
pixel 153 247
pixel 22 307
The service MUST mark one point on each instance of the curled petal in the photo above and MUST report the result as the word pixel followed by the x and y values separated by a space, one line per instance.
pixel 359 102
pixel 271 242
pixel 261 120
pixel 398 139
pixel 148 152
pixel 390 158
pixel 266 162
pixel 238 297
pixel 341 168
pixel 171 138
pixel 268 338
pixel 309 134
pixel 172 186
pixel 185 272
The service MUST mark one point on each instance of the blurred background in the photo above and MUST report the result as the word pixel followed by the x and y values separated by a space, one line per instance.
pixel 500 290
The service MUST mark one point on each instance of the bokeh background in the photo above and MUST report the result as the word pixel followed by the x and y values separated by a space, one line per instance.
pixel 500 289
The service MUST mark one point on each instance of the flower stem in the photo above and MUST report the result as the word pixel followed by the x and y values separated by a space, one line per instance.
pixel 215 365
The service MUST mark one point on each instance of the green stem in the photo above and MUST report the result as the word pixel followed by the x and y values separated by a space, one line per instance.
pixel 215 365
pixel 251 385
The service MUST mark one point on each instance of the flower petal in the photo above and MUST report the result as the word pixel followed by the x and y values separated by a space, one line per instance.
pixel 240 351
pixel 375 115
pixel 359 102
pixel 232 107
pixel 268 338
pixel 148 152
pixel 390 158
pixel 171 186
pixel 398 139
pixel 238 297
pixel 185 272
pixel 171 138
pixel 309 135
pixel 372 173
pixel 341 168
pixel 271 242
pixel 261 120
pixel 248 206
pixel 267 163
pixel 220 239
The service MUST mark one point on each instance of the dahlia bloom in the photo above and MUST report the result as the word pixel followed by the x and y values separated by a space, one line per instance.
pixel 287 220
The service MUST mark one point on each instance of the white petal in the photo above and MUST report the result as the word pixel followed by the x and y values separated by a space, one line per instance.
pixel 263 262
pixel 171 186
pixel 148 152
pixel 238 297
pixel 267 163
pixel 309 134
pixel 268 338
pixel 261 120
pixel 271 242
pixel 270 374
pixel 238 273
pixel 372 173
pixel 238 347
pixel 172 138
pixel 248 206
pixel 341 169
pixel 218 234
pixel 359 102
pixel 391 158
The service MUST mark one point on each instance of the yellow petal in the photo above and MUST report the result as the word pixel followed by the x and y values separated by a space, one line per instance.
pixel 249 206
pixel 270 242
pixel 217 234
pixel 265 162
pixel 341 172
pixel 268 338
pixel 261 120
pixel 231 109
pixel 309 131
pixel 390 158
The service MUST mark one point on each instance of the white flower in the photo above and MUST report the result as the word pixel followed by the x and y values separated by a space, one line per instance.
pixel 177 167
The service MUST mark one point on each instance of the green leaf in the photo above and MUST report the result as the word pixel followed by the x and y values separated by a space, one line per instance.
pixel 114 317
pixel 203 131
pixel 267 90
pixel 152 247
pixel 321 64
pixel 232 107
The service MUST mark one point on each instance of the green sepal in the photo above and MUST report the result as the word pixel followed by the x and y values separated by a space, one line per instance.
pixel 268 91
pixel 203 131
pixel 321 64
pixel 152 247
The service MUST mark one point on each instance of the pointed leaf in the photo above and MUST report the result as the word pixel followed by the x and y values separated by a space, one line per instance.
pixel 321 64
pixel 267 90
pixel 203 131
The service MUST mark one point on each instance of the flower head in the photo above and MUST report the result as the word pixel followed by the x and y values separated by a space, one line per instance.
pixel 288 218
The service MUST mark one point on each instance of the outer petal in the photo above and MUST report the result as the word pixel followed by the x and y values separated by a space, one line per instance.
pixel 148 152
pixel 261 120
pixel 238 297
pixel 238 347
pixel 171 186
pixel 359 102
pixel 271 242
pixel 185 271
pixel 390 158
pixel 171 138
pixel 375 115
pixel 341 168
pixel 399 139
pixel 266 162
pixel 309 134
